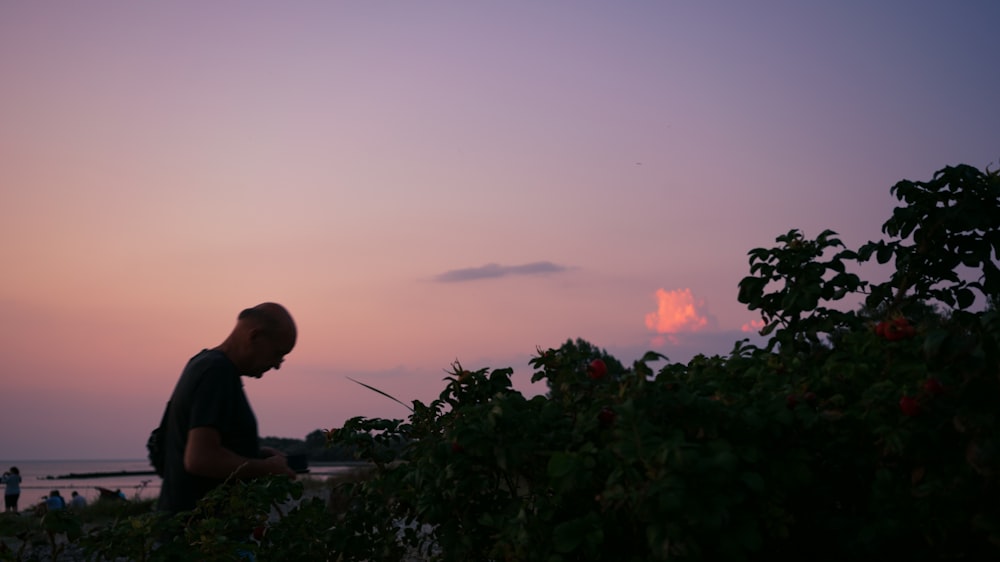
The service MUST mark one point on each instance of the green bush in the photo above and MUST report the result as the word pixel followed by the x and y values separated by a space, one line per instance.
pixel 850 435
pixel 853 433
pixel 42 534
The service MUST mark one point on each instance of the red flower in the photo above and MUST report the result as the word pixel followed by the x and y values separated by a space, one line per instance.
pixel 597 370
pixel 933 387
pixel 896 329
pixel 791 401
pixel 606 416
pixel 909 406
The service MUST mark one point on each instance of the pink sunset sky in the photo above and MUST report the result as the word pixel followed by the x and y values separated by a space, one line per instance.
pixel 420 182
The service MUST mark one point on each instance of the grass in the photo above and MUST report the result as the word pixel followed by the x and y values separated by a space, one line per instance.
pixel 105 510
pixel 99 512
pixel 28 535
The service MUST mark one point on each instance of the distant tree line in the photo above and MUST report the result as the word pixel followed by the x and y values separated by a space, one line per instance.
pixel 316 447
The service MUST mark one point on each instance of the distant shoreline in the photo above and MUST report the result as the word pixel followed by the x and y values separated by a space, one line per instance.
pixel 85 475
pixel 113 473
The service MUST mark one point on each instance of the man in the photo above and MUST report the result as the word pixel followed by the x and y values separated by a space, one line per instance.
pixel 54 501
pixel 211 431
pixel 77 501
pixel 12 490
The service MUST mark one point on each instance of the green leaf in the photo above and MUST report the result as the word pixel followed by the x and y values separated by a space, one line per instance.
pixel 653 356
pixel 933 341
pixel 883 254
pixel 567 536
pixel 847 255
pixel 753 481
pixel 965 298
pixel 561 464
pixel 751 289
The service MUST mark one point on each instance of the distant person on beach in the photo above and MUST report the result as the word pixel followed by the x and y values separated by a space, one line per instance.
pixel 77 501
pixel 107 494
pixel 211 430
pixel 12 489
pixel 55 502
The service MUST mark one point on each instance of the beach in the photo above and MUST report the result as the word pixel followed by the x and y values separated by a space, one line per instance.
pixel 134 477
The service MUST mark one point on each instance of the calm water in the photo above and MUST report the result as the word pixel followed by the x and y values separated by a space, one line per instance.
pixel 35 482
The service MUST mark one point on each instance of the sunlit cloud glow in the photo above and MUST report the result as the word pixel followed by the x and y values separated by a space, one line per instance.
pixel 494 270
pixel 677 311
pixel 753 326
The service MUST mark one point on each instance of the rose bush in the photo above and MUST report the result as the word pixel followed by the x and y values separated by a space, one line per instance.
pixel 865 427
pixel 830 442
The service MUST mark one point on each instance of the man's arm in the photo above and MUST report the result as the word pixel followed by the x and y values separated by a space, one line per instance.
pixel 204 455
pixel 270 452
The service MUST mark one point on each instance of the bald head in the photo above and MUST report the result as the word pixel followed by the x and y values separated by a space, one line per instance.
pixel 263 335
pixel 268 316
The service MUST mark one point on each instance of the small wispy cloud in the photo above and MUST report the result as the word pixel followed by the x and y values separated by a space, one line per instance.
pixel 494 270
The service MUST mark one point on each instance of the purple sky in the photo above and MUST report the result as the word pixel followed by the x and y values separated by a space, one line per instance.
pixel 421 182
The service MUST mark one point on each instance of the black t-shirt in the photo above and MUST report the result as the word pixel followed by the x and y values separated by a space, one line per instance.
pixel 208 394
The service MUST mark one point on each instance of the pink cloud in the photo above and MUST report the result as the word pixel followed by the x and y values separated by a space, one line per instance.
pixel 678 311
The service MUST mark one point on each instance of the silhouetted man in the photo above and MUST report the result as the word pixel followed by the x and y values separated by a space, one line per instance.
pixel 211 431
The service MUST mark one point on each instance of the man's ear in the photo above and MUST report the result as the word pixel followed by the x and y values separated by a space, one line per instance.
pixel 256 334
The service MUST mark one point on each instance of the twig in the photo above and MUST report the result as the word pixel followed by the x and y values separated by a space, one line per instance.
pixel 380 392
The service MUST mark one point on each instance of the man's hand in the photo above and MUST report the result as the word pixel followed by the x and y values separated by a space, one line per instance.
pixel 205 456
pixel 266 452
pixel 278 464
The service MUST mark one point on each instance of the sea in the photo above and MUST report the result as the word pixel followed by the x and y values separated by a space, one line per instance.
pixel 133 477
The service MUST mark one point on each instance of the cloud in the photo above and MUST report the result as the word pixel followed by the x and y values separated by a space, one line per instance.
pixel 494 270
pixel 678 311
pixel 753 326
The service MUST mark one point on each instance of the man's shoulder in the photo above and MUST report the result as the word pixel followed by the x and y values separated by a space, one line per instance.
pixel 208 367
pixel 209 361
pixel 208 357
